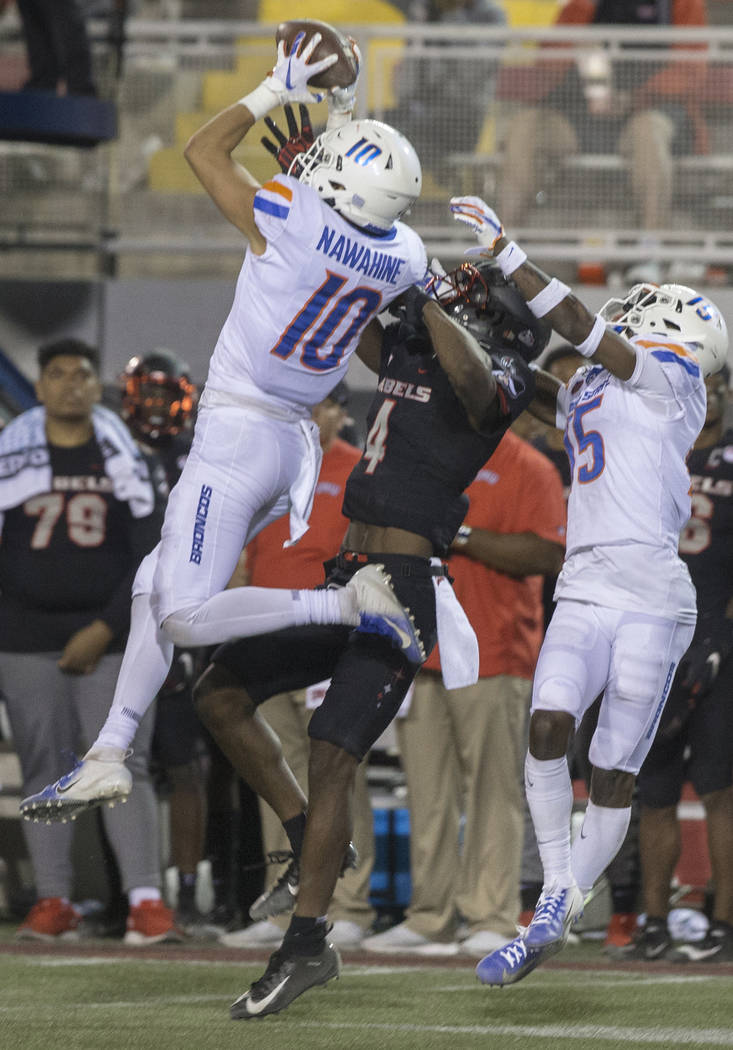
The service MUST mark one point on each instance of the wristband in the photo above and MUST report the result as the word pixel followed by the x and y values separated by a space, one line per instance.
pixel 260 101
pixel 462 536
pixel 590 344
pixel 510 258
pixel 547 299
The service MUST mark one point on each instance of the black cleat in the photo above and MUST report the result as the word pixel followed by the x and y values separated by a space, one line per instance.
pixel 287 976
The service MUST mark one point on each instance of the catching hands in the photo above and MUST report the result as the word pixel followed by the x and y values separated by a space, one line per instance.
pixel 341 100
pixel 482 219
pixel 285 150
pixel 289 79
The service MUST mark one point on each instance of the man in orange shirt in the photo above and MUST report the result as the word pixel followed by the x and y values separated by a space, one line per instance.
pixel 269 564
pixel 463 749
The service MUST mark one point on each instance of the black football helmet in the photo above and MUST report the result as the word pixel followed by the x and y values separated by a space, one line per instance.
pixel 158 397
pixel 479 297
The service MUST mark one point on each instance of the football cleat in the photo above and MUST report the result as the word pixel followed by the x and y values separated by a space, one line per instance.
pixel 382 612
pixel 716 946
pixel 287 976
pixel 556 911
pixel 651 943
pixel 513 962
pixel 281 897
pixel 100 777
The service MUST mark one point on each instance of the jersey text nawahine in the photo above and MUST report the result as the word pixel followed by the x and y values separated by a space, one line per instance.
pixel 380 266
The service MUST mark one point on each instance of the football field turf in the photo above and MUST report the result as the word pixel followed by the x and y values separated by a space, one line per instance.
pixel 100 996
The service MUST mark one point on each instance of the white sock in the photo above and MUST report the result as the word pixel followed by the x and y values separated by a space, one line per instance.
pixel 145 667
pixel 143 893
pixel 550 801
pixel 246 611
pixel 598 842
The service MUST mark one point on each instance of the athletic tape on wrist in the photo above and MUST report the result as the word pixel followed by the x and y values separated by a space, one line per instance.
pixel 590 344
pixel 510 258
pixel 260 101
pixel 546 300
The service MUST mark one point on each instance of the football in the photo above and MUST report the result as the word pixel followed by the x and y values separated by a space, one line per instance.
pixel 342 73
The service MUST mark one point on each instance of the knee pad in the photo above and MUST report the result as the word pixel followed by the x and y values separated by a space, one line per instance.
pixel 557 692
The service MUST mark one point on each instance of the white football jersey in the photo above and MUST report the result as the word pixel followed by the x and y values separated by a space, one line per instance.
pixel 300 308
pixel 630 489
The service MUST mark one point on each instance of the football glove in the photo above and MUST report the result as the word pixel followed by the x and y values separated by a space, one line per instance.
pixel 707 654
pixel 283 149
pixel 482 219
pixel 289 79
pixel 341 100
pixel 515 382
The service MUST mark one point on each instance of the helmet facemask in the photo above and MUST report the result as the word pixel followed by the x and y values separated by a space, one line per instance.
pixel 490 306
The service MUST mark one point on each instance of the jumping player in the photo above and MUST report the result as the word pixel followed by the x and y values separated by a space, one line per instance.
pixel 626 607
pixel 325 254
pixel 441 407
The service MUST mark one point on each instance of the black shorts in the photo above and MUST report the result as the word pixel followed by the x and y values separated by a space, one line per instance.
pixel 694 744
pixel 369 676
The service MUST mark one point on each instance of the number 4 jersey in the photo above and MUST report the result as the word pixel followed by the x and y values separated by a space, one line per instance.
pixel 627 442
pixel 300 308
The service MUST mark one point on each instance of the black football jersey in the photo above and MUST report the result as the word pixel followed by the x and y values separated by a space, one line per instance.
pixel 421 452
pixel 706 542
pixel 69 555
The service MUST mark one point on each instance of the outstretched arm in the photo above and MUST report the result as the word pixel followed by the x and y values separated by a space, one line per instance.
pixel 209 150
pixel 546 296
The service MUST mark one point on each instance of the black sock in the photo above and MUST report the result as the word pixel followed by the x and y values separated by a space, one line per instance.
pixel 624 899
pixel 305 936
pixel 186 889
pixel 295 830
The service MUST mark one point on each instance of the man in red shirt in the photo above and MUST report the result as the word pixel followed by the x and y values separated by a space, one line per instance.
pixel 462 749
pixel 269 564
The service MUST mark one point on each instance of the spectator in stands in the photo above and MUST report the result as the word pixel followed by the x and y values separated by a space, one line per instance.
pixel 646 111
pixel 59 53
pixel 433 89
pixel 463 749
pixel 79 511
pixel 289 713
pixel 158 402
pixel 695 736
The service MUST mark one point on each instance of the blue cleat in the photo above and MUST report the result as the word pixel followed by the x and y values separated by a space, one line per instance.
pixel 100 777
pixel 381 611
pixel 557 910
pixel 513 962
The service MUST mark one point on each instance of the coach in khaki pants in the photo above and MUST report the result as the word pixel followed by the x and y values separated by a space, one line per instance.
pixel 463 749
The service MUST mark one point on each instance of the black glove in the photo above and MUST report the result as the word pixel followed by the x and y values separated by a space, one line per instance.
pixel 514 381
pixel 710 648
pixel 285 150
pixel 408 307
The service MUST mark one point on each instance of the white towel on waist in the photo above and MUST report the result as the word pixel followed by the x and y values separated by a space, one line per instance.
pixel 459 656
pixel 303 488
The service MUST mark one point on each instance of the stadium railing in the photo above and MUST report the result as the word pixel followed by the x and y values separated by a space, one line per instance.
pixel 453 91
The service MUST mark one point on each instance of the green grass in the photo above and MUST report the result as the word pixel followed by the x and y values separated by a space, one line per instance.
pixel 91 1001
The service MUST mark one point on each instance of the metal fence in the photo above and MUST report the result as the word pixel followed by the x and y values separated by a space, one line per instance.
pixel 545 124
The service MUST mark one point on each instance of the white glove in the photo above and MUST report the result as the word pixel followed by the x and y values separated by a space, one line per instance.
pixel 482 219
pixel 341 100
pixel 289 79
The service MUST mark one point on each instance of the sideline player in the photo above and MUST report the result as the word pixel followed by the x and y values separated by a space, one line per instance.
pixel 438 413
pixel 626 607
pixel 325 254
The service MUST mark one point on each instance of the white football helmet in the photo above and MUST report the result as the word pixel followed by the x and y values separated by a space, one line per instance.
pixel 676 311
pixel 366 170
